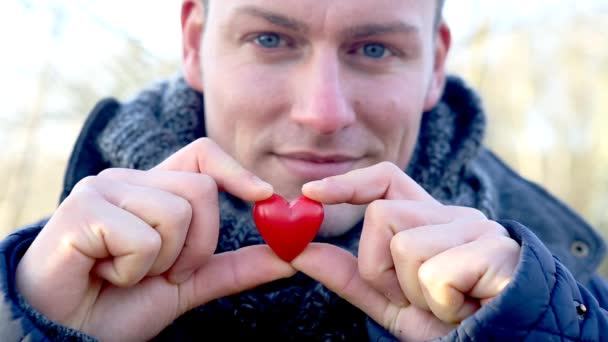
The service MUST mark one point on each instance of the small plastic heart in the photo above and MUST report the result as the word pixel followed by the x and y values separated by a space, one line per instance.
pixel 288 227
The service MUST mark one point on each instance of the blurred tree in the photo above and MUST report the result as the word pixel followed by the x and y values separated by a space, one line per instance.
pixel 544 88
pixel 32 173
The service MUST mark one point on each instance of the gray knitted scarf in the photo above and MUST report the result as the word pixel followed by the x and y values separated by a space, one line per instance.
pixel 169 115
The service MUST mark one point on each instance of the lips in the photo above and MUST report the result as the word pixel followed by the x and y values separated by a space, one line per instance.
pixel 312 166
pixel 318 158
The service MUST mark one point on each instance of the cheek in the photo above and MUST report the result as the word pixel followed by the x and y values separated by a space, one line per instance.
pixel 242 105
pixel 393 114
pixel 400 131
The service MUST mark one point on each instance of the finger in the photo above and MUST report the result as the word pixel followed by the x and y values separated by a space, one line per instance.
pixel 233 272
pixel 168 214
pixel 86 237
pixel 123 256
pixel 386 218
pixel 202 194
pixel 337 270
pixel 362 186
pixel 223 275
pixel 457 280
pixel 204 156
pixel 411 248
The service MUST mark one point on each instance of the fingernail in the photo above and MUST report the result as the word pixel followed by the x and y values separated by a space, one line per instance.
pixel 262 184
pixel 258 181
pixel 314 185
pixel 178 278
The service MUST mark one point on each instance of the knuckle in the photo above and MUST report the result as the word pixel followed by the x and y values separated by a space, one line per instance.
pixel 460 213
pixel 150 244
pixel 82 198
pixel 142 256
pixel 203 144
pixel 201 253
pixel 125 279
pixel 119 174
pixel 468 213
pixel 181 211
pixel 206 185
pixel 84 194
pixel 495 228
pixel 78 213
pixel 429 275
pixel 121 282
pixel 400 245
pixel 376 211
pixel 86 184
pixel 368 274
pixel 403 246
pixel 204 189
pixel 200 185
pixel 389 167
pixel 112 173
pixel 507 243
pixel 76 208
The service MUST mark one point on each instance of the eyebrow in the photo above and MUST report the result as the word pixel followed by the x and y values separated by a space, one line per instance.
pixel 355 32
pixel 275 18
pixel 368 30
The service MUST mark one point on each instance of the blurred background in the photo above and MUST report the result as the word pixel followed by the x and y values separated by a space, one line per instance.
pixel 541 67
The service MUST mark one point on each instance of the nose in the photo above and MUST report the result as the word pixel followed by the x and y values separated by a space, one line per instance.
pixel 321 102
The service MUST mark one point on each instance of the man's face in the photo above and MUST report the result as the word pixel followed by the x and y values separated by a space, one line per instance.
pixel 301 90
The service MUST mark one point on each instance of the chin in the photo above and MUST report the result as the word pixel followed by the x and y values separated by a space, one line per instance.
pixel 340 218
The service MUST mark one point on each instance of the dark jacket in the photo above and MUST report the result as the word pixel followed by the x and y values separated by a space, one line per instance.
pixel 555 294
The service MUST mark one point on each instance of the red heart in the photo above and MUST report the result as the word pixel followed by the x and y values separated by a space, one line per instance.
pixel 288 227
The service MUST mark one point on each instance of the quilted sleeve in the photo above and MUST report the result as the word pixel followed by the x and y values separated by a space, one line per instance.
pixel 19 321
pixel 542 303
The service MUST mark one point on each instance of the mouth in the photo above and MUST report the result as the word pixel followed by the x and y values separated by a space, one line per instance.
pixel 313 166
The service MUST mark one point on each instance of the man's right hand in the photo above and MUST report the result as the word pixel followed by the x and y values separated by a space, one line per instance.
pixel 130 251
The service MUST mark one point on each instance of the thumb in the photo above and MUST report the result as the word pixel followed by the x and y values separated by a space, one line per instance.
pixel 338 270
pixel 206 157
pixel 233 272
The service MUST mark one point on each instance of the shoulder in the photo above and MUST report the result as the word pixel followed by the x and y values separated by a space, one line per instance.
pixel 562 230
pixel 85 158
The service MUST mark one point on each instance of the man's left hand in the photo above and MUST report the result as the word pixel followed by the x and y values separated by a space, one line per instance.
pixel 423 267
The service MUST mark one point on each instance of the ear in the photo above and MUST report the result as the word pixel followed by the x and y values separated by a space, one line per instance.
pixel 443 41
pixel 193 21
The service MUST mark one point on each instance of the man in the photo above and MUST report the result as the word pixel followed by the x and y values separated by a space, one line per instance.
pixel 333 100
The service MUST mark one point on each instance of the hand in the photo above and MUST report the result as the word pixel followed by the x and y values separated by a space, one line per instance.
pixel 129 251
pixel 423 267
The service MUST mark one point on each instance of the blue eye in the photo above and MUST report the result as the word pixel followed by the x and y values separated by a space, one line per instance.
pixel 269 40
pixel 374 50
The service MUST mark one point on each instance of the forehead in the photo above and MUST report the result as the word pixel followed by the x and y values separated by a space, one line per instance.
pixel 327 15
